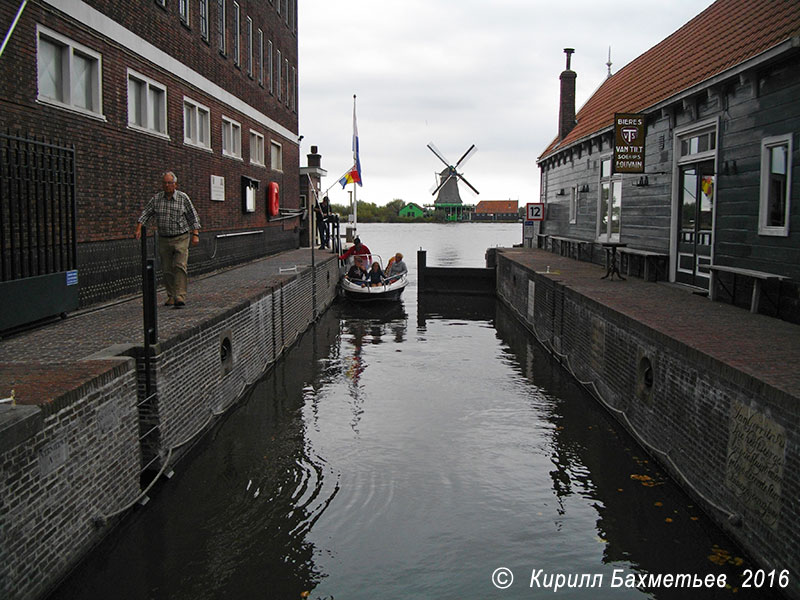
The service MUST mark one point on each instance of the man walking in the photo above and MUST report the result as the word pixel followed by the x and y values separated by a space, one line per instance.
pixel 178 224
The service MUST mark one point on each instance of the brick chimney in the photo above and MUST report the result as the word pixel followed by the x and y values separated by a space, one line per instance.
pixel 314 159
pixel 566 108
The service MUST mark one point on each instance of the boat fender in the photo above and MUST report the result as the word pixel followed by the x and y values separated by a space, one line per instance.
pixel 273 199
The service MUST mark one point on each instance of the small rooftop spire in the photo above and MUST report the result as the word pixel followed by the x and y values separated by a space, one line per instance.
pixel 608 64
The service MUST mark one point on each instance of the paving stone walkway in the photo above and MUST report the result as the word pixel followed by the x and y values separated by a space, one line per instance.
pixel 761 346
pixel 45 362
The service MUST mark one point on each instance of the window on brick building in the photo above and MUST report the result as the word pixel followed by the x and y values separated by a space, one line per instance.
pixel 183 10
pixel 260 51
pixel 196 124
pixel 294 89
pixel 236 35
pixel 776 185
pixel 69 74
pixel 286 78
pixel 231 138
pixel 256 148
pixel 249 46
pixel 276 156
pixel 147 104
pixel 204 19
pixel 270 68
pixel 280 66
pixel 221 43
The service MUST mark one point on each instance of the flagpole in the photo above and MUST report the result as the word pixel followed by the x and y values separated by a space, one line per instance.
pixel 355 199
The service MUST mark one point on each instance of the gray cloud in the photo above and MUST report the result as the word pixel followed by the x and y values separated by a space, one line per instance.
pixel 457 73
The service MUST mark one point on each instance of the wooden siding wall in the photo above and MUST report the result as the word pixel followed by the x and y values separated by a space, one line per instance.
pixel 758 105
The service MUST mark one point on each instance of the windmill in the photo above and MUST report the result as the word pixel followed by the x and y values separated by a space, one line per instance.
pixel 447 186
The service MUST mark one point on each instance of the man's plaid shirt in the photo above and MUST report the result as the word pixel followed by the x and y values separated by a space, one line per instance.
pixel 174 216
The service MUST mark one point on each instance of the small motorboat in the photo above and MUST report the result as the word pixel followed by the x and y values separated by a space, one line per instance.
pixel 361 291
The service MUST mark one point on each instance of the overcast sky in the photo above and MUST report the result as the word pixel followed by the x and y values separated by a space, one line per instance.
pixel 456 73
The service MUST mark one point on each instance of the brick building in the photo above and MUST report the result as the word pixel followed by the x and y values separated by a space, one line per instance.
pixel 205 88
pixel 716 205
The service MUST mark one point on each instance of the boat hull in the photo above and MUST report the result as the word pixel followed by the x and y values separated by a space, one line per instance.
pixel 386 292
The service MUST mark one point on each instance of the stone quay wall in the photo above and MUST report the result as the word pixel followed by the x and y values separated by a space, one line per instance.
pixel 73 465
pixel 732 441
pixel 70 468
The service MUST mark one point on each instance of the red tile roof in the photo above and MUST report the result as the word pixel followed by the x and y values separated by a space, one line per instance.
pixel 724 35
pixel 497 206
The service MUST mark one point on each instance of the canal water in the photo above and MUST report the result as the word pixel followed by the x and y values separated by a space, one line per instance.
pixel 426 449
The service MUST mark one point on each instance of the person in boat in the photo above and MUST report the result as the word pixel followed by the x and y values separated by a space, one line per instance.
pixel 376 276
pixel 357 249
pixel 396 268
pixel 357 273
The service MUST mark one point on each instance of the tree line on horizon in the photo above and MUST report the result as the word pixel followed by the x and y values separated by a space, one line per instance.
pixel 369 212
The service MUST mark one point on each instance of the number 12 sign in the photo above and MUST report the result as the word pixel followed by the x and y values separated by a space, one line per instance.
pixel 534 211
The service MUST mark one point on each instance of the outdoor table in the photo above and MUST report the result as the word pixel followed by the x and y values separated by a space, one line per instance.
pixel 611 259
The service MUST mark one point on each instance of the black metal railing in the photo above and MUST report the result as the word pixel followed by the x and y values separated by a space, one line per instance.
pixel 37 208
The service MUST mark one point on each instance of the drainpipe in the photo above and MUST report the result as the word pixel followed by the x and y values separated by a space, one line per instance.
pixel 13 25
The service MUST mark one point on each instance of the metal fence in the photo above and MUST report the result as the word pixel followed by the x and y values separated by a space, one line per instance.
pixel 37 208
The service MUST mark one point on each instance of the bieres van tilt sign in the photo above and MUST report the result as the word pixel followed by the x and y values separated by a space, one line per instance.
pixel 629 134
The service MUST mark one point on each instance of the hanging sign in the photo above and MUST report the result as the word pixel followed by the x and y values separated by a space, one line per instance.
pixel 629 132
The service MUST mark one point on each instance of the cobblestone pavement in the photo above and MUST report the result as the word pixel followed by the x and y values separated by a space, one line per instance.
pixel 763 347
pixel 42 363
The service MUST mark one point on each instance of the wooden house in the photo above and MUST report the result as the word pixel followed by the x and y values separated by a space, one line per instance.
pixel 715 206
pixel 496 210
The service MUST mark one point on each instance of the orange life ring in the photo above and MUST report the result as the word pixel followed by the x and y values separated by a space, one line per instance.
pixel 273 199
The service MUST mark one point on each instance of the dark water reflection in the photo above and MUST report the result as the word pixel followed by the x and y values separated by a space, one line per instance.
pixel 407 451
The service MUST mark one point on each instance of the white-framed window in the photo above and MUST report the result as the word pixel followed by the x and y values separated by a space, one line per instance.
pixel 250 46
pixel 69 74
pixel 257 148
pixel 183 10
pixel 260 51
pixel 609 203
pixel 203 10
pixel 276 156
pixel 147 104
pixel 280 66
pixel 196 124
pixel 776 185
pixel 294 89
pixel 221 42
pixel 237 32
pixel 286 78
pixel 231 138
pixel 573 205
pixel 270 68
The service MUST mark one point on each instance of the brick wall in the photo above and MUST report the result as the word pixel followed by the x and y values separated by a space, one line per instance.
pixel 118 168
pixel 79 458
pixel 730 440
pixel 193 382
pixel 81 463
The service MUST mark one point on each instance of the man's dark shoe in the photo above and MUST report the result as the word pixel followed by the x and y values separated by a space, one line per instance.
pixel 179 303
